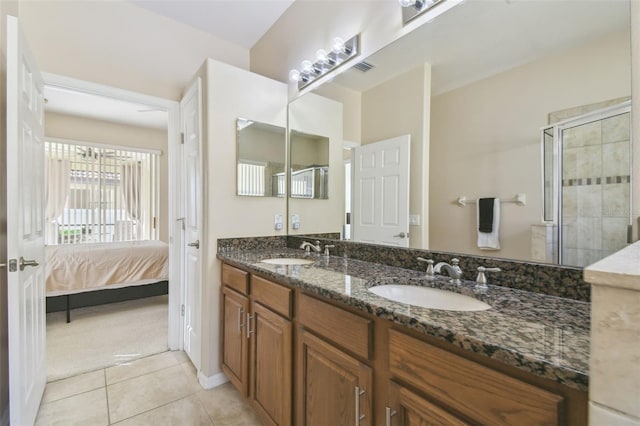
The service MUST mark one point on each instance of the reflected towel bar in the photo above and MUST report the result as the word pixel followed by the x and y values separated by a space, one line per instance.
pixel 519 199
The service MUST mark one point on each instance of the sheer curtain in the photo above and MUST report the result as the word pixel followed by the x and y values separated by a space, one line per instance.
pixel 131 185
pixel 58 182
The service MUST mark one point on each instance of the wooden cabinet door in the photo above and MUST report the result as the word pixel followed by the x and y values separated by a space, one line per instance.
pixel 271 376
pixel 410 409
pixel 333 387
pixel 235 341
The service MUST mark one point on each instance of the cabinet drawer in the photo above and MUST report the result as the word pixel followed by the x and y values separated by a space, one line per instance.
pixel 235 278
pixel 474 390
pixel 273 296
pixel 348 330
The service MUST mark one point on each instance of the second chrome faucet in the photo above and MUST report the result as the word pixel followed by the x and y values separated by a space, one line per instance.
pixel 453 270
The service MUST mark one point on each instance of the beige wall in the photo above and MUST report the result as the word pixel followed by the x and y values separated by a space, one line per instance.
pixel 317 115
pixel 485 139
pixel 351 101
pixel 102 132
pixel 257 144
pixel 397 107
pixel 119 44
pixel 230 93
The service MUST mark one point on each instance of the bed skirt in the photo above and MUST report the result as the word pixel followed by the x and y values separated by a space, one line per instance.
pixel 101 297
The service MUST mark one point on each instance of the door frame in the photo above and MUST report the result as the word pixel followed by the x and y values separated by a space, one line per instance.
pixel 175 331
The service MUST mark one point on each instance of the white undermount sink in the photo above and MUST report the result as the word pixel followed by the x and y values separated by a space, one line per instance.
pixel 288 261
pixel 426 297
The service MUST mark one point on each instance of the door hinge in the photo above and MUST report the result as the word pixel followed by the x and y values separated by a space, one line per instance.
pixel 182 138
pixel 182 310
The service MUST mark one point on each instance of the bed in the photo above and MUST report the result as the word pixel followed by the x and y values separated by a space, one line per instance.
pixel 73 269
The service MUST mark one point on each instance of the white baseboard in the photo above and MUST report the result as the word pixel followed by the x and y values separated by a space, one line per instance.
pixel 210 382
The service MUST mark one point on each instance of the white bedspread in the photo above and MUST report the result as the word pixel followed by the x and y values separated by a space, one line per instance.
pixel 75 268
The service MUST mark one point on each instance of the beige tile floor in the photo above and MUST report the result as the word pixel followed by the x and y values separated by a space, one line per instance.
pixel 157 390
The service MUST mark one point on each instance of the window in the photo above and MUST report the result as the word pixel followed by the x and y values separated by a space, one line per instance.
pixel 100 194
pixel 251 178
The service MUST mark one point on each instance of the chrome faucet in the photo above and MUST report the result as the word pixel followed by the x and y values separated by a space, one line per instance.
pixel 453 270
pixel 307 246
pixel 481 280
pixel 326 249
pixel 430 274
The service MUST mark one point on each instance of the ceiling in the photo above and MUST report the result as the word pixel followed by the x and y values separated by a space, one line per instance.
pixel 241 22
pixel 71 102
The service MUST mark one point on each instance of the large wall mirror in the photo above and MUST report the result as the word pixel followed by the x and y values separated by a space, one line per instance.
pixel 261 156
pixel 480 90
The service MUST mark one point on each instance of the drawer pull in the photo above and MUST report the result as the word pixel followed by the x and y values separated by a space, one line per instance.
pixel 389 412
pixel 358 394
pixel 240 324
pixel 249 330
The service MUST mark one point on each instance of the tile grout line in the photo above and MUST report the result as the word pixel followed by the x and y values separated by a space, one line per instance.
pixel 179 364
pixel 106 393
pixel 205 409
pixel 155 408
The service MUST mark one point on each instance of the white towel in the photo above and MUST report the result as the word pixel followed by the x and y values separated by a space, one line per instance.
pixel 489 240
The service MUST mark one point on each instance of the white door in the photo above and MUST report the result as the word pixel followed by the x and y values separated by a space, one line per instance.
pixel 380 208
pixel 25 229
pixel 192 167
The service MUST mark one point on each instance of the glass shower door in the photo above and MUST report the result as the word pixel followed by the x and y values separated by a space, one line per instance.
pixel 595 188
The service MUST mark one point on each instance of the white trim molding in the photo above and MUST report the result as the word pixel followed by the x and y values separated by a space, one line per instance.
pixel 210 382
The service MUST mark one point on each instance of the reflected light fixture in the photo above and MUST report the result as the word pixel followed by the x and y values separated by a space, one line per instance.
pixel 326 62
pixel 413 8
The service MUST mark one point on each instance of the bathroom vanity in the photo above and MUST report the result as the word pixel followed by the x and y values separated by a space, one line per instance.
pixel 310 344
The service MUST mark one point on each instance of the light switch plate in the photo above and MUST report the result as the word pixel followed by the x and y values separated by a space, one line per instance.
pixel 277 220
pixel 295 221
pixel 414 220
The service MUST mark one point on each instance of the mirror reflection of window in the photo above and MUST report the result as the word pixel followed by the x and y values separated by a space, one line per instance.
pixel 309 166
pixel 261 155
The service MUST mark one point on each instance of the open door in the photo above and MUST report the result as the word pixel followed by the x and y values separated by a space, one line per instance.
pixel 25 229
pixel 192 175
pixel 380 190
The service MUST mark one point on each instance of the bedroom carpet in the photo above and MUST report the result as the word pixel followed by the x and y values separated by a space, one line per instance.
pixel 106 335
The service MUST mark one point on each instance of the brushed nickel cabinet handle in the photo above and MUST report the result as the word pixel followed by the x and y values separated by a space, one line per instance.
pixel 249 330
pixel 389 412
pixel 240 324
pixel 196 244
pixel 358 394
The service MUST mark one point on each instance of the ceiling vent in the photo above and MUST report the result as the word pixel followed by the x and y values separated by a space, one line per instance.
pixel 363 66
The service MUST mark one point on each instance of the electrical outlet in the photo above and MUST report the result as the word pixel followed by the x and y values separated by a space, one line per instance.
pixel 278 225
pixel 295 221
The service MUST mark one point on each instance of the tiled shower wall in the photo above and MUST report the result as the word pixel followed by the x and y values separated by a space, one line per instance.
pixel 595 189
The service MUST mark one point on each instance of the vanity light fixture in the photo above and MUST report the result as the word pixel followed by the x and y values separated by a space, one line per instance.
pixel 326 62
pixel 413 8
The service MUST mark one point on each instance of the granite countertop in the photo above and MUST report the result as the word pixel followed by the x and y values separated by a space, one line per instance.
pixel 544 335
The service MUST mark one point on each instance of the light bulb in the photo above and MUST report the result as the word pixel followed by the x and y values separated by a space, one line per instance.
pixel 338 45
pixel 294 75
pixel 407 3
pixel 306 66
pixel 321 56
